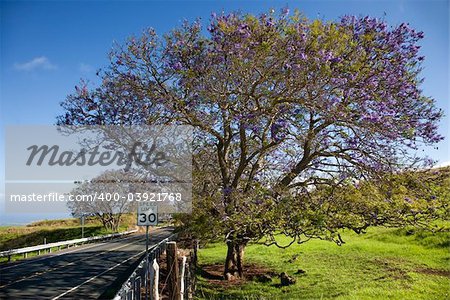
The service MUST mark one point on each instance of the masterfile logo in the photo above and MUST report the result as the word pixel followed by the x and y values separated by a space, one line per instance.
pixel 52 155
pixel 81 153
pixel 126 163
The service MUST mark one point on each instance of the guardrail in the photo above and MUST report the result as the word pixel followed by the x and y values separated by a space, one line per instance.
pixel 49 246
pixel 131 288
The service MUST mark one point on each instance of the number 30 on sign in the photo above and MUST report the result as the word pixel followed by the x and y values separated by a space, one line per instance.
pixel 147 214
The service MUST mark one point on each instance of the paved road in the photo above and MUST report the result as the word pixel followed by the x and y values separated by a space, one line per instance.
pixel 92 271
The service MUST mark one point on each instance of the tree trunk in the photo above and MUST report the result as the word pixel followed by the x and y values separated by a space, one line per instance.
pixel 234 261
pixel 104 220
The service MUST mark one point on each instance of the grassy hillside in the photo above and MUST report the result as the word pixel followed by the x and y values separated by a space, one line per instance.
pixel 53 231
pixel 18 237
pixel 382 264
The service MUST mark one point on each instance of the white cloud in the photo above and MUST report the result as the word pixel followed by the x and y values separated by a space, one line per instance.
pixel 40 62
pixel 85 68
pixel 442 164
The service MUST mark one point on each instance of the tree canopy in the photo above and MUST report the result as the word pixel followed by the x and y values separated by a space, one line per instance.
pixel 285 111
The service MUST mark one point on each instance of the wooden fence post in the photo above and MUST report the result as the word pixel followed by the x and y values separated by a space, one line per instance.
pixel 182 285
pixel 196 243
pixel 191 267
pixel 172 270
pixel 154 280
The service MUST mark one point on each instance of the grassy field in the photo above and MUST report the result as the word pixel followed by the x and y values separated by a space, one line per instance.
pixel 12 237
pixel 382 264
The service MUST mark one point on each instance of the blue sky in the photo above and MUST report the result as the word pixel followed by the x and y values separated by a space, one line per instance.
pixel 46 47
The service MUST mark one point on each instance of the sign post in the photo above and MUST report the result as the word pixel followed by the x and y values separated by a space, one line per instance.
pixel 147 215
pixel 146 262
pixel 82 226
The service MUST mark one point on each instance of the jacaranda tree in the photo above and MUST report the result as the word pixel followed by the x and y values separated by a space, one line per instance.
pixel 285 110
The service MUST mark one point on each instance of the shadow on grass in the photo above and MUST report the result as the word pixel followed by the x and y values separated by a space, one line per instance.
pixel 207 275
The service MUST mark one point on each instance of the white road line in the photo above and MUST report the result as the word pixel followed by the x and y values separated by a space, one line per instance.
pixel 92 278
pixel 52 256
pixel 71 263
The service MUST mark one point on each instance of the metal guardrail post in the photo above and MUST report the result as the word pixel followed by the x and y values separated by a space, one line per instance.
pixel 133 291
pixel 137 287
pixel 127 291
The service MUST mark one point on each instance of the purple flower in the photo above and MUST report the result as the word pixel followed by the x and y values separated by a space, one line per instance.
pixel 270 22
pixel 177 66
pixel 227 190
pixel 408 200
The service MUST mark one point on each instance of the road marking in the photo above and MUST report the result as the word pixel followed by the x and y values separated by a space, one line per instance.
pixel 92 278
pixel 71 263
pixel 52 256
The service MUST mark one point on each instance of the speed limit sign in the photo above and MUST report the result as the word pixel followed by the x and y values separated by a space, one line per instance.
pixel 147 214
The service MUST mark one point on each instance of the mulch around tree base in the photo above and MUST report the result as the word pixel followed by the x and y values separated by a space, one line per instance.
pixel 213 273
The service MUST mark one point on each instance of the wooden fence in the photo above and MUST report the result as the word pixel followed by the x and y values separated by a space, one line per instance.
pixel 144 282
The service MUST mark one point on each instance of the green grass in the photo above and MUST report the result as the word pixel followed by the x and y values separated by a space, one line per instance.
pixel 382 264
pixel 12 237
pixel 17 237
